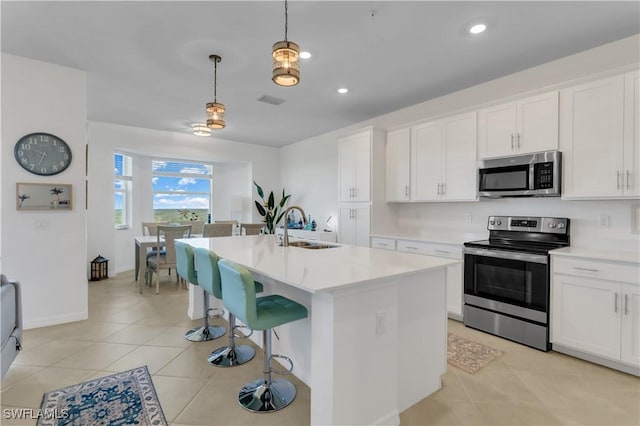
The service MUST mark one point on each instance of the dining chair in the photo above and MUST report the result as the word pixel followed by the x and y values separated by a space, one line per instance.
pixel 166 237
pixel 196 225
pixel 217 230
pixel 151 228
pixel 252 228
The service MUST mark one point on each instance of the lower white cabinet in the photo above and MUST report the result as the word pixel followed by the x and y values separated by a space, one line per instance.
pixel 330 237
pixel 383 243
pixel 596 313
pixel 354 225
pixel 454 272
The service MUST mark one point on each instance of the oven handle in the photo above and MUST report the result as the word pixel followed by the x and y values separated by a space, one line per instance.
pixel 499 254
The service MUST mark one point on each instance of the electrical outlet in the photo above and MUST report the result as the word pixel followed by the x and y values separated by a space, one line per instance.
pixel 380 322
pixel 468 217
pixel 603 220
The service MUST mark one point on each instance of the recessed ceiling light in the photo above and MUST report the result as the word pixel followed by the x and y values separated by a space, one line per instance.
pixel 305 55
pixel 343 90
pixel 477 28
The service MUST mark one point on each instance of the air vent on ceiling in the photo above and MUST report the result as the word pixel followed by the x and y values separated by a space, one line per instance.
pixel 270 100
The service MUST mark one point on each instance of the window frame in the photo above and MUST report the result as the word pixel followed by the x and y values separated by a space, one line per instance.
pixel 127 191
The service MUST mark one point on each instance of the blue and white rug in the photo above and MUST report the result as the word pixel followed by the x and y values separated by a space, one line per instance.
pixel 126 398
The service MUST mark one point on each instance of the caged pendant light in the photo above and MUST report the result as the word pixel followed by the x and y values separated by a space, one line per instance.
pixel 286 58
pixel 215 110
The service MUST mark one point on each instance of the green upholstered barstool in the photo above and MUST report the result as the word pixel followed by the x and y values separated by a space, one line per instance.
pixel 260 313
pixel 209 275
pixel 186 270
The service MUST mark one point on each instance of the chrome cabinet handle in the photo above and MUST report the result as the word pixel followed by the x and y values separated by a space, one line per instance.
pixel 617 179
pixel 442 251
pixel 438 189
pixel 355 191
pixel 615 305
pixel 626 304
pixel 511 141
pixel 628 179
pixel 406 190
pixel 586 269
pixel 443 188
pixel 518 140
pixel 383 244
pixel 412 248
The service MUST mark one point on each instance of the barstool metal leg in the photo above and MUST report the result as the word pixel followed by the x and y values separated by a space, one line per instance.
pixel 232 354
pixel 266 394
pixel 206 332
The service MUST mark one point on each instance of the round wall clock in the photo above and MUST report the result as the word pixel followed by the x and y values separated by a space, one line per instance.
pixel 43 154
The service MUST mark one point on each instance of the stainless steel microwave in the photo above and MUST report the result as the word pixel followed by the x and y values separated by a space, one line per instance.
pixel 531 175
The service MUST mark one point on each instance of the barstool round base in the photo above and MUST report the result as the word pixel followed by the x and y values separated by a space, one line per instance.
pixel 203 334
pixel 260 398
pixel 228 356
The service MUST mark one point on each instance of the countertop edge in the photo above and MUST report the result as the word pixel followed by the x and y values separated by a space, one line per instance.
pixel 611 256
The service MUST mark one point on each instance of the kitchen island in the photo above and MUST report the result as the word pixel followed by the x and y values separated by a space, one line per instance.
pixel 375 340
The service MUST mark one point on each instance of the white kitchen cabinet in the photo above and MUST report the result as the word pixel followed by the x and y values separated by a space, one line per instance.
pixel 599 138
pixel 454 272
pixel 383 243
pixel 354 225
pixel 443 159
pixel 354 156
pixel 330 237
pixel 595 311
pixel 398 156
pixel 520 127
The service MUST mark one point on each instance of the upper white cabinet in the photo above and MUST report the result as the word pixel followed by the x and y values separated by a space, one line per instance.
pixel 354 154
pixel 434 161
pixel 521 127
pixel 398 154
pixel 599 138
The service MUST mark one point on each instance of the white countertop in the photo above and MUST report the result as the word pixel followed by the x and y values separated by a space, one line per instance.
pixel 431 237
pixel 317 270
pixel 620 256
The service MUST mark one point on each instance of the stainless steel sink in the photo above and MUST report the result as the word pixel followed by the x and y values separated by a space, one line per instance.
pixel 310 245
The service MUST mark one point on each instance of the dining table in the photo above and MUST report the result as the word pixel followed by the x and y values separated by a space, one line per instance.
pixel 143 243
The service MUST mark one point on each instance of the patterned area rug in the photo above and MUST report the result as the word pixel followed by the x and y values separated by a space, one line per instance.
pixel 468 355
pixel 124 398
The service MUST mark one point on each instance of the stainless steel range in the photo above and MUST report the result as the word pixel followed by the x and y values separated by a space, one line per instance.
pixel 506 278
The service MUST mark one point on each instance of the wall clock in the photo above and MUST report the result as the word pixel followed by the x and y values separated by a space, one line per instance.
pixel 42 154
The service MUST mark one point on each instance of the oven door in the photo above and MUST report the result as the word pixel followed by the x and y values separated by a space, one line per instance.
pixel 512 283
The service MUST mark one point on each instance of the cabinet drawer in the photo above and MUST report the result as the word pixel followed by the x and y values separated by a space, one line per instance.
pixel 431 249
pixel 413 247
pixel 596 269
pixel 383 243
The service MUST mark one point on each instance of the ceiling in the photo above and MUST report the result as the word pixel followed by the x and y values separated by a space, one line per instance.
pixel 147 62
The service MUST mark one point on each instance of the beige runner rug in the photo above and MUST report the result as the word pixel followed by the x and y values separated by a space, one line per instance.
pixel 468 355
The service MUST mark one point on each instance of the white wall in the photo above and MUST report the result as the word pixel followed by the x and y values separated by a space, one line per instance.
pixel 312 163
pixel 49 260
pixel 236 165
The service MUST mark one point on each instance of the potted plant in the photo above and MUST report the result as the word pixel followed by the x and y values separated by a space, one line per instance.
pixel 270 211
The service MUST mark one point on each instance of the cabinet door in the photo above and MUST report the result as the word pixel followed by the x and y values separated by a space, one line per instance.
pixel 497 127
pixel 347 153
pixel 454 290
pixel 631 134
pixel 630 326
pixel 398 165
pixel 591 138
pixel 427 161
pixel 537 123
pixel 586 315
pixel 363 221
pixel 460 166
pixel 355 167
pixel 354 226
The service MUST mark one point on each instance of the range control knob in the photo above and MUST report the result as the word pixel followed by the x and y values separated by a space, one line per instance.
pixel 493 222
pixel 499 222
pixel 552 225
pixel 561 225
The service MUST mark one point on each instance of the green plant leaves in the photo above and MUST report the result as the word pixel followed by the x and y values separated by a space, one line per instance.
pixel 270 202
pixel 269 210
pixel 261 209
pixel 259 189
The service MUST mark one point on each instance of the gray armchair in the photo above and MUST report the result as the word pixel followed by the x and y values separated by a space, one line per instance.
pixel 11 322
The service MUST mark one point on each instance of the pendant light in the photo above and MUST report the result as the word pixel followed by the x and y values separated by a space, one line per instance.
pixel 200 129
pixel 286 58
pixel 215 110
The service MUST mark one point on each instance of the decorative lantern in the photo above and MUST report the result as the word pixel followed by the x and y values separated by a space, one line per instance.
pixel 99 268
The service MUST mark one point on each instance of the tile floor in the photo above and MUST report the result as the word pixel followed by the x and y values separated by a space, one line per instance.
pixel 125 330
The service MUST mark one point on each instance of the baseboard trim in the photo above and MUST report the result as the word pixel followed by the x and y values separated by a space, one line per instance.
pixel 392 419
pixel 616 365
pixel 55 320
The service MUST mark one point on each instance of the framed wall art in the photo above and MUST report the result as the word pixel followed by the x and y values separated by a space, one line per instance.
pixel 43 196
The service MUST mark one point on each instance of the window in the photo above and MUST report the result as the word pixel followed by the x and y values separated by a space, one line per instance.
pixel 123 177
pixel 181 190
